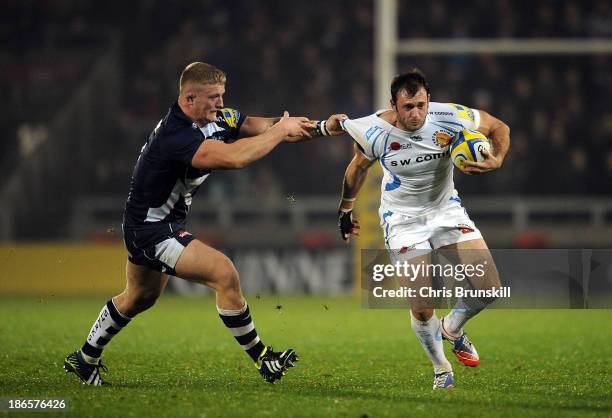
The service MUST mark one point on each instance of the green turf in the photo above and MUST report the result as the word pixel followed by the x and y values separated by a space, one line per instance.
pixel 178 360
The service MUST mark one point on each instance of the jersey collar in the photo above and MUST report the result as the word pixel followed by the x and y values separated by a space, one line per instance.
pixel 179 114
pixel 418 131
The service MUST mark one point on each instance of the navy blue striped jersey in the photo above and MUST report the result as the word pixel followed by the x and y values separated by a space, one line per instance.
pixel 163 181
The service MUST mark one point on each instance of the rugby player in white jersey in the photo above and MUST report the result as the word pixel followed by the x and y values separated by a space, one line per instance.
pixel 420 209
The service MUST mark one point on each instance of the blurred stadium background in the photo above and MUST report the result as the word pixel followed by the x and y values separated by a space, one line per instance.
pixel 85 82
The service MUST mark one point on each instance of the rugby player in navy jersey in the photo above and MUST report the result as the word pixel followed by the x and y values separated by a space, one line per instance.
pixel 197 135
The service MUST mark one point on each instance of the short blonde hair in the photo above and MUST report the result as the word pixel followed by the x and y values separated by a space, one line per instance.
pixel 201 73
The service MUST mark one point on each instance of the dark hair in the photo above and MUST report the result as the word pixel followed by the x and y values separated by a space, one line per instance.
pixel 410 81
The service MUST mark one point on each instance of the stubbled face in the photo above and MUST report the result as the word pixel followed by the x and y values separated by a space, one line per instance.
pixel 203 101
pixel 411 110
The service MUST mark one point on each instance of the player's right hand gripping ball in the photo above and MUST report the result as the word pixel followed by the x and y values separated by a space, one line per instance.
pixel 468 145
pixel 345 223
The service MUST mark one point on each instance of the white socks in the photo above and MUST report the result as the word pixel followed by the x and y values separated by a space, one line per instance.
pixel 428 333
pixel 457 317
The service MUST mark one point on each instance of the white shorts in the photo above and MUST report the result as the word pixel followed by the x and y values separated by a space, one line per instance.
pixel 447 225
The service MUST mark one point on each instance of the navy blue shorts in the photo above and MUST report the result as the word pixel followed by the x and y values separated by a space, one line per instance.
pixel 158 246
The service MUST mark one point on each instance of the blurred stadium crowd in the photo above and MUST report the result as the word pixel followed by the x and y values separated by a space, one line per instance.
pixel 313 58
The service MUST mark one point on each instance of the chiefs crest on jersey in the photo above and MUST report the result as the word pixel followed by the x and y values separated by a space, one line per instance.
pixel 442 138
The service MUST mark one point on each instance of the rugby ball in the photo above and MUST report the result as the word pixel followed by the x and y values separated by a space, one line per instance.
pixel 468 145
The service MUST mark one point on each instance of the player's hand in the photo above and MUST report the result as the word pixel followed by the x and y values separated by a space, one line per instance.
pixel 347 225
pixel 333 124
pixel 296 128
pixel 490 163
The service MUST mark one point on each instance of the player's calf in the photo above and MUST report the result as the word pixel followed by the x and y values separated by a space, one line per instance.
pixel 428 334
pixel 271 365
pixel 86 363
pixel 109 323
pixel 134 303
pixel 205 265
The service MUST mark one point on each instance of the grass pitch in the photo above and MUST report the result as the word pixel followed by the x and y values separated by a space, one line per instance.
pixel 178 359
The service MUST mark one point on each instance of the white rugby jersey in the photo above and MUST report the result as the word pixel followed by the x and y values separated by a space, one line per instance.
pixel 418 173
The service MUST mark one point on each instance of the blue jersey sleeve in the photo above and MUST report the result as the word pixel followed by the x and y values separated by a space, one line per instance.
pixel 368 133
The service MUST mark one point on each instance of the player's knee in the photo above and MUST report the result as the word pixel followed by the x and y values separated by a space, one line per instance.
pixel 227 277
pixel 143 300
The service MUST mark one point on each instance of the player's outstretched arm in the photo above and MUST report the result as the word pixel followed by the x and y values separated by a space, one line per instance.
pixel 354 177
pixel 329 127
pixel 256 125
pixel 499 134
pixel 219 155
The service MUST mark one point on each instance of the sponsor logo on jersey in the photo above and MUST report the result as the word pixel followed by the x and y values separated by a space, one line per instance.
pixel 464 112
pixel 404 250
pixel 395 163
pixel 430 157
pixel 442 138
pixel 441 113
pixel 420 159
pixel 230 116
pixel 395 146
pixel 417 138
pixel 465 229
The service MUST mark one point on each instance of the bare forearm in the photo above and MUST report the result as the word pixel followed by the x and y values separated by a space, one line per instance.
pixel 216 155
pixel 267 123
pixel 354 178
pixel 255 125
pixel 498 132
pixel 500 140
pixel 251 149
